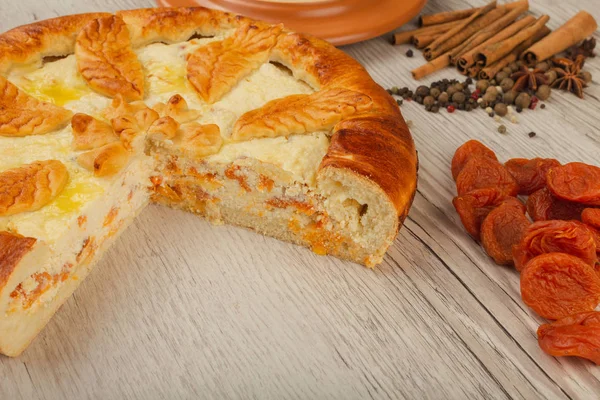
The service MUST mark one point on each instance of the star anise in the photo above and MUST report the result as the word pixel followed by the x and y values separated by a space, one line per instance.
pixel 586 49
pixel 526 78
pixel 570 78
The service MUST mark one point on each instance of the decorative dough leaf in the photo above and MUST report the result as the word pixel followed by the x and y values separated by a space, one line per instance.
pixel 214 69
pixel 300 114
pixel 32 186
pixel 23 115
pixel 90 133
pixel 107 62
pixel 177 108
pixel 106 160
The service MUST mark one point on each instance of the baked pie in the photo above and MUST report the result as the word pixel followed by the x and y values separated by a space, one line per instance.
pixel 235 120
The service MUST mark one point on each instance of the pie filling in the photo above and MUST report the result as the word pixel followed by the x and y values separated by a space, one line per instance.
pixel 267 184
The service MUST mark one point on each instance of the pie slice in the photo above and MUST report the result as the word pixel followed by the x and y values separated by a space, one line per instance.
pixel 235 120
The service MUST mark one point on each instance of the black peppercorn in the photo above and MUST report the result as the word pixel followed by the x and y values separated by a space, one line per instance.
pixel 531 134
pixel 409 53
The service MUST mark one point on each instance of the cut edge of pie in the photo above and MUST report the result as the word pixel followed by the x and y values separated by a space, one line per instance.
pixel 170 153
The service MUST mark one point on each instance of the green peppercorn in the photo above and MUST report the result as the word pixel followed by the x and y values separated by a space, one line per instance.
pixel 523 100
pixel 428 101
pixel 507 84
pixel 482 85
pixel 394 90
pixel 443 97
pixel 501 109
pixel 502 129
pixel 422 91
pixel 543 92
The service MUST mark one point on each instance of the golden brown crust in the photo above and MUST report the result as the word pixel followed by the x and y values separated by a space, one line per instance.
pixel 177 109
pixel 163 128
pixel 52 37
pixel 106 160
pixel 214 69
pixel 119 107
pixel 195 140
pixel 23 115
pixel 300 114
pixel 13 248
pixel 128 127
pixel 106 61
pixel 90 133
pixel 31 186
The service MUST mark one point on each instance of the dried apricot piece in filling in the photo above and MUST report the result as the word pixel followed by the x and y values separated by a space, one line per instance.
pixel 556 285
pixel 474 206
pixel 542 206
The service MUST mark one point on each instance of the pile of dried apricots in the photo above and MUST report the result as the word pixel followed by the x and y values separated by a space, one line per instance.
pixel 557 254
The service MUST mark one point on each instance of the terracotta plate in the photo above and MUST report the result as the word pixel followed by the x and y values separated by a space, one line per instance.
pixel 338 21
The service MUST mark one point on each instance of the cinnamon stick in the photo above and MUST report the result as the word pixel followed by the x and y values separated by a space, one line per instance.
pixel 572 32
pixel 432 66
pixel 467 59
pixel 494 52
pixel 491 71
pixel 439 18
pixel 407 36
pixel 460 33
pixel 423 40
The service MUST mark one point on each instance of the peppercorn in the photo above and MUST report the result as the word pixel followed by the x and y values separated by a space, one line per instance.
pixel 419 99
pixel 435 108
pixel 434 92
pixel 422 91
pixel 491 114
pixel 483 104
pixel 461 106
pixel 399 102
pixel 543 92
pixel 469 81
pixel 451 90
pixel 394 90
pixel 489 97
pixel 519 109
pixel 514 67
pixel 531 134
pixel 428 101
pixel 520 63
pixel 409 53
pixel 507 84
pixel 459 87
pixel 544 66
pixel 443 97
pixel 500 76
pixel 482 85
pixel 492 82
pixel 502 129
pixel 513 119
pixel 501 109
pixel 543 106
pixel 450 109
pixel 507 71
pixel 469 107
pixel 509 97
pixel 523 100
pixel 492 90
pixel 587 77
pixel 428 108
pixel 459 97
pixel 551 76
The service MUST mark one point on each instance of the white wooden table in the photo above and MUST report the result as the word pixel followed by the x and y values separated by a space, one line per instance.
pixel 182 309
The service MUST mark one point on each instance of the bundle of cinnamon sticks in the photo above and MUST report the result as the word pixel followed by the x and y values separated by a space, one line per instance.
pixel 481 41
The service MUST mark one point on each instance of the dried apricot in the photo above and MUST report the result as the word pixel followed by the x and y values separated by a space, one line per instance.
pixel 556 236
pixel 591 216
pixel 543 206
pixel 502 229
pixel 577 182
pixel 575 335
pixel 556 285
pixel 474 206
pixel 483 172
pixel 530 174
pixel 466 151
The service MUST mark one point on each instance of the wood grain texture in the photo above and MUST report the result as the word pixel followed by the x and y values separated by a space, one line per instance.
pixel 182 309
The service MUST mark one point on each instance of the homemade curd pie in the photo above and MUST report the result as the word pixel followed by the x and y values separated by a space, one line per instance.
pixel 235 120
